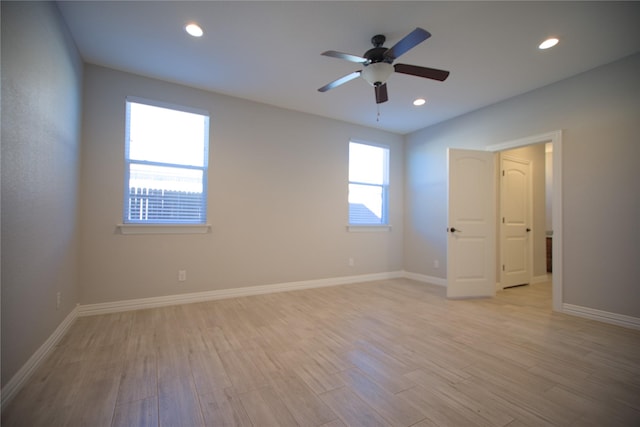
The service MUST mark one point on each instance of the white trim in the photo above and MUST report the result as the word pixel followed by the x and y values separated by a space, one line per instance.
pixel 14 385
pixel 163 228
pixel 167 105
pixel 368 228
pixel 439 281
pixel 373 144
pixel 602 316
pixel 554 137
pixel 152 302
pixel 529 140
pixel 556 219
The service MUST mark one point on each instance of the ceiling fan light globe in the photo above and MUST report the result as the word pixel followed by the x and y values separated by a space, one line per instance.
pixel 377 73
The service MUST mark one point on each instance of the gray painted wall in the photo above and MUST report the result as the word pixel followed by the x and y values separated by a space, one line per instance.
pixel 277 199
pixel 599 113
pixel 41 110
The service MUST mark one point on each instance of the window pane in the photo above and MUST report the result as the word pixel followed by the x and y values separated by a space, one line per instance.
pixel 169 136
pixel 367 163
pixel 368 183
pixel 365 204
pixel 164 194
pixel 165 178
pixel 166 153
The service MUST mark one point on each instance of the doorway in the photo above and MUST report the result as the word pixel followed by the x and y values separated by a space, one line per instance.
pixel 555 141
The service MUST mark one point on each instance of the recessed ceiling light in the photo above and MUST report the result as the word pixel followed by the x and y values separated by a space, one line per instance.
pixel 418 102
pixel 548 43
pixel 194 30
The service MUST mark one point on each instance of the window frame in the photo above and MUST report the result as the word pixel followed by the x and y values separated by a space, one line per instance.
pixel 384 220
pixel 163 225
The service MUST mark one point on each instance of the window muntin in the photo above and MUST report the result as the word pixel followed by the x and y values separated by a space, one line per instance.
pixel 368 184
pixel 166 159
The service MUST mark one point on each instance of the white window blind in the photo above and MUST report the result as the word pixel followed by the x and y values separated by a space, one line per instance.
pixel 368 184
pixel 166 159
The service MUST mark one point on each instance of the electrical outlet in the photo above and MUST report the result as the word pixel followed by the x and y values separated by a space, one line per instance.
pixel 352 262
pixel 182 275
pixel 58 300
pixel 436 263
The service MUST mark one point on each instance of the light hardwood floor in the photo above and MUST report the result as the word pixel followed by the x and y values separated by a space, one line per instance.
pixel 388 353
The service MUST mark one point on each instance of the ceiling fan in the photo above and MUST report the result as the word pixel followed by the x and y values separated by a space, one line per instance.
pixel 378 64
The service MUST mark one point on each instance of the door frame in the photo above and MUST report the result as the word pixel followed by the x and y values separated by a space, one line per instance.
pixel 555 138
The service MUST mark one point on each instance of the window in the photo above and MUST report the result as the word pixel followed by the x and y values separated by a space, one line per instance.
pixel 368 184
pixel 166 158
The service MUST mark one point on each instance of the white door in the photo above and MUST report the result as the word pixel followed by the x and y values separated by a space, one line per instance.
pixel 471 241
pixel 515 226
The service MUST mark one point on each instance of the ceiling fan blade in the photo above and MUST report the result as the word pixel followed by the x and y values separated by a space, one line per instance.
pixel 410 41
pixel 345 56
pixel 381 93
pixel 429 73
pixel 340 81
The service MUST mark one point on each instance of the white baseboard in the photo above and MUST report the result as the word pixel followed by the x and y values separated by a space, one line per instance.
pixel 424 278
pixel 152 302
pixel 14 385
pixel 602 316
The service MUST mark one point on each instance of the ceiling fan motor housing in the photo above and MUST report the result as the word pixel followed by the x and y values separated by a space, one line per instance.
pixel 378 68
pixel 376 54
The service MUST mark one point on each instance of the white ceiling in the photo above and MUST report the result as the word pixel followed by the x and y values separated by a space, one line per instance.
pixel 269 52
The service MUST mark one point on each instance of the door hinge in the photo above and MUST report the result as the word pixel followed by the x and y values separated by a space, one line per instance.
pixel 502 267
pixel 503 172
pixel 503 220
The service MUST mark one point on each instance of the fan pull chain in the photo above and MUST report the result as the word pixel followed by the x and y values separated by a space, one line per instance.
pixel 378 115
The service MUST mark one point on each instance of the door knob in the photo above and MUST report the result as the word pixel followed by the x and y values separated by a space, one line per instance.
pixel 453 229
pixel 528 229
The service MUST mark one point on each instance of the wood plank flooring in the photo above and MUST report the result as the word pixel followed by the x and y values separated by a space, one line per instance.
pixel 387 353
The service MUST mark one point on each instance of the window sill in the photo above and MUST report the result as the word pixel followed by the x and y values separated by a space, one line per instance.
pixel 163 228
pixel 369 228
